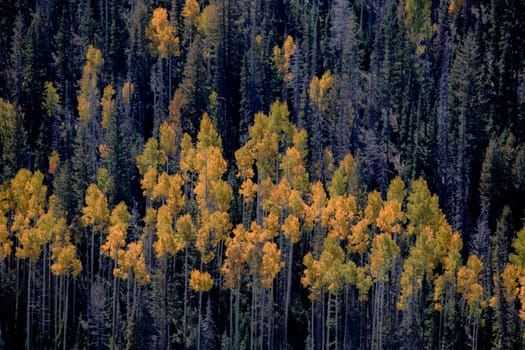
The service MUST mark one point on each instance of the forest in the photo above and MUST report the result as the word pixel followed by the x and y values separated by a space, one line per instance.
pixel 249 174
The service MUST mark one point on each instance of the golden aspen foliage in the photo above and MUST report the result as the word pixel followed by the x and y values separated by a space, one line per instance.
pixel 103 179
pixel 238 249
pixel 248 190
pixel 330 272
pixel 292 228
pixel 363 281
pixel 117 232
pixel 293 169
pixel 318 202
pixel 245 157
pixel 28 196
pixel 517 257
pixel 296 205
pixel 390 217
pixel 214 228
pixel 208 135
pixel 312 276
pixel 422 208
pixel 185 230
pixel 455 6
pixel 282 58
pixel 200 281
pixel 188 162
pixel 54 162
pixel 132 260
pixel 271 226
pixel 168 190
pixel 374 206
pixel 513 276
pixel 191 10
pixel 88 83
pixel 468 282
pixel 266 152
pixel 300 142
pixel 5 242
pixel 510 278
pixel 277 197
pixel 168 145
pixel 108 105
pixel 149 181
pixel 150 157
pixel 436 246
pixel 396 190
pixel 165 243
pixel 338 216
pixel 383 254
pixel 63 252
pixel 319 88
pixel 96 211
pixel 359 238
pixel 270 264
pixel 161 33
pixel 65 260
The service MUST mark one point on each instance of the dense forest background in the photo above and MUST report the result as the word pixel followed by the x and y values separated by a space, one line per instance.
pixel 246 174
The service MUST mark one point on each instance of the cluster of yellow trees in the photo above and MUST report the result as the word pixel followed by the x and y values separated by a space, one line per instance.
pixel 351 239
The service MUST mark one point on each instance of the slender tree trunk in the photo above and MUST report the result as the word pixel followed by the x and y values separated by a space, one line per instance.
pixel 199 322
pixel 288 292
pixel 237 305
pixel 185 316
pixel 114 323
pixel 43 330
pixel 28 308
pixel 64 341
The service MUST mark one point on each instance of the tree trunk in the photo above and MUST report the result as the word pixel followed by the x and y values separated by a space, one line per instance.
pixel 28 308
pixel 64 341
pixel 185 316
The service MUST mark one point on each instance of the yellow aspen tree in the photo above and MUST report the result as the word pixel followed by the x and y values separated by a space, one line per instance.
pixel 165 243
pixel 113 248
pixel 396 190
pixel 238 249
pixel 359 238
pixel 133 261
pixel 190 12
pixel 469 286
pixel 162 35
pixel 64 258
pixel 271 264
pixel 514 274
pixel 27 197
pixel 108 106
pixel 151 157
pixel 5 242
pixel 96 215
pixel 282 58
pixel 200 282
pixel 117 232
pixel 168 144
pixel 314 214
pixel 383 254
pixel 185 236
pixel 88 84
pixel 164 45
